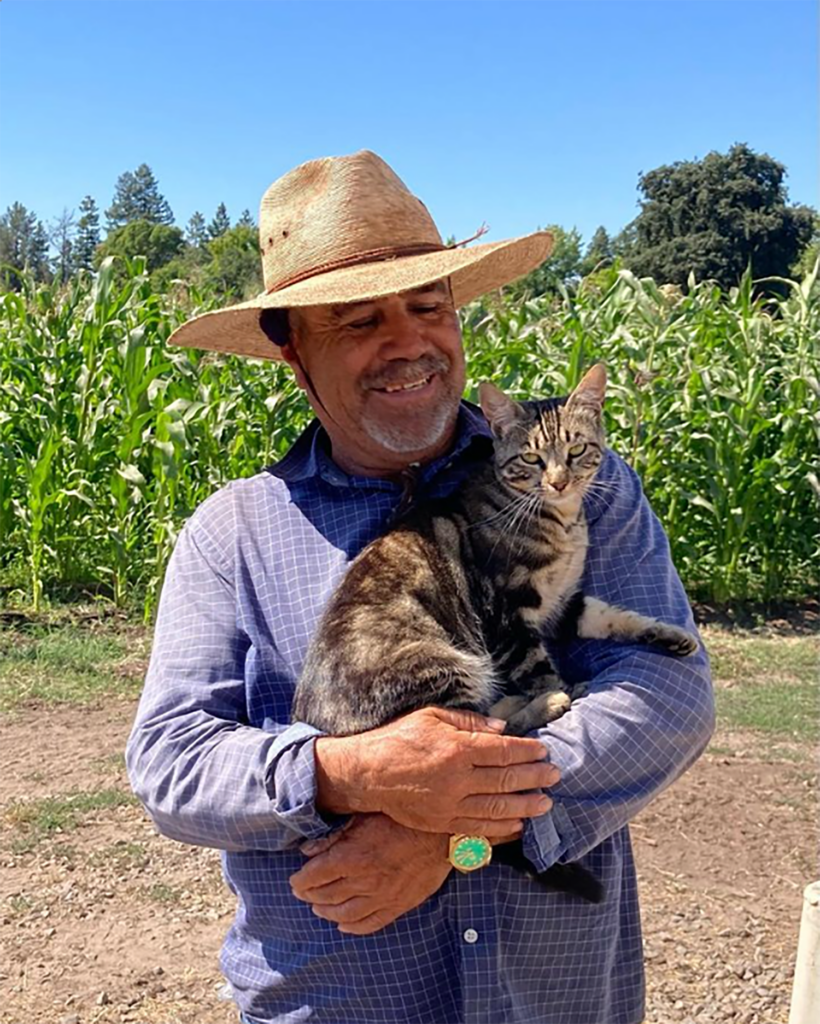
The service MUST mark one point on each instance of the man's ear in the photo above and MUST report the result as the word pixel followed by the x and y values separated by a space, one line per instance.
pixel 501 412
pixel 295 363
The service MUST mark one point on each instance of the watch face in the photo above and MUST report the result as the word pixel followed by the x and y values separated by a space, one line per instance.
pixel 470 852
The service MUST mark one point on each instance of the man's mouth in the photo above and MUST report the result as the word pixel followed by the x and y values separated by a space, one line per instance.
pixel 413 385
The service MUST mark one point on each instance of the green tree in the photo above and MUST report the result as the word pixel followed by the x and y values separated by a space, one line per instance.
pixel 61 236
pixel 246 220
pixel 561 266
pixel 713 217
pixel 196 234
pixel 220 224
pixel 158 243
pixel 809 256
pixel 137 197
pixel 38 260
pixel 23 247
pixel 235 270
pixel 88 234
pixel 598 251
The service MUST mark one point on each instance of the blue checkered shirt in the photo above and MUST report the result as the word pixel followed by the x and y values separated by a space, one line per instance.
pixel 215 760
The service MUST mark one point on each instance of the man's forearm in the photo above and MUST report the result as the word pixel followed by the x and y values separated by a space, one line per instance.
pixel 649 718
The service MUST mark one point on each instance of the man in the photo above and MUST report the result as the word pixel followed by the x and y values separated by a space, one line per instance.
pixel 350 910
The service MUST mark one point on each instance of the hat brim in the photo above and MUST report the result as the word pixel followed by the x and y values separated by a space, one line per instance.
pixel 472 271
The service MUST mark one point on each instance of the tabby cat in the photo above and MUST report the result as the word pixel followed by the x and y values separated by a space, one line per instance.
pixel 451 605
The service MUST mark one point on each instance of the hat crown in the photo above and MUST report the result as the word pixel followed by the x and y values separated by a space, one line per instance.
pixel 336 211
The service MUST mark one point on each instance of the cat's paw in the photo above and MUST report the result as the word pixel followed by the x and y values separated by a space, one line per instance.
pixel 544 708
pixel 557 704
pixel 670 638
pixel 687 645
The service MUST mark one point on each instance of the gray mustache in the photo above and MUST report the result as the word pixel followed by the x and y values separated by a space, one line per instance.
pixel 404 372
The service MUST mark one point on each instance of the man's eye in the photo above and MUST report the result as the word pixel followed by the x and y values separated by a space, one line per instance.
pixel 426 309
pixel 363 325
pixel 531 458
pixel 577 449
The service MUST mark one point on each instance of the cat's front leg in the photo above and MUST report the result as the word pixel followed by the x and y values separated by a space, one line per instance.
pixel 538 712
pixel 542 697
pixel 535 693
pixel 602 621
pixel 509 706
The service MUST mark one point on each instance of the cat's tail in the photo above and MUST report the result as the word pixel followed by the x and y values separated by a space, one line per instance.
pixel 572 879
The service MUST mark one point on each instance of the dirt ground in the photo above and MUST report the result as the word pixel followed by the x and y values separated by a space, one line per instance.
pixel 104 921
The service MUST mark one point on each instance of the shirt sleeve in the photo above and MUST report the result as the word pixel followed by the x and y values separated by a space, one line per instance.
pixel 648 715
pixel 204 774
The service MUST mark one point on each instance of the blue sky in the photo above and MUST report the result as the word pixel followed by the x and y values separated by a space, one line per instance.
pixel 517 114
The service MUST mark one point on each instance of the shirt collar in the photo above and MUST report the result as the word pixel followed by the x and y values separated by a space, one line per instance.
pixel 309 456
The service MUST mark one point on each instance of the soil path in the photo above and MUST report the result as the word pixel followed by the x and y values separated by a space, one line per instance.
pixel 103 921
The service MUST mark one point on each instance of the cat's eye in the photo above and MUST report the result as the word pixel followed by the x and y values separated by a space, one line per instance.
pixel 577 449
pixel 531 458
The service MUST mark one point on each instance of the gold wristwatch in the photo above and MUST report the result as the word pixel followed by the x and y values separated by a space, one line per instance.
pixel 469 853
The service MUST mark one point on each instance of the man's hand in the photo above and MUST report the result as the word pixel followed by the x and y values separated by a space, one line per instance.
pixel 437 770
pixel 371 873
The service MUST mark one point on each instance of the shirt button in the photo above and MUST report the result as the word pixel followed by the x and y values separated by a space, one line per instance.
pixel 471 936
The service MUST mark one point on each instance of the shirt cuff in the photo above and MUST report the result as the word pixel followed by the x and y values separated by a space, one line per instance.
pixel 547 838
pixel 290 780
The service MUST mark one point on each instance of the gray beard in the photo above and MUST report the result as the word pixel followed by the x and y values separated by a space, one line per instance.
pixel 399 438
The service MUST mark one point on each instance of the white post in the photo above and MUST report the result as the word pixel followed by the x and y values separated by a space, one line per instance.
pixel 805 1008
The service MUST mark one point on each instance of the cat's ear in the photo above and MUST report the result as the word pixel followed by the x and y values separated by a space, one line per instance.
pixel 591 389
pixel 501 411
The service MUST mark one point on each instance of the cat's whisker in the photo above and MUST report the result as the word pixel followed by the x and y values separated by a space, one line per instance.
pixel 518 509
pixel 527 511
pixel 508 510
pixel 605 490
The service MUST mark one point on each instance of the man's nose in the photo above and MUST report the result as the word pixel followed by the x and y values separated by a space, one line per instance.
pixel 404 337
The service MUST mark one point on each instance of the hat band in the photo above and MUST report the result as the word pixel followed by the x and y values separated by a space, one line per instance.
pixel 369 256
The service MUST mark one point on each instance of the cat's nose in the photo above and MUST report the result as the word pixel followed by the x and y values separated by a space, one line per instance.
pixel 558 485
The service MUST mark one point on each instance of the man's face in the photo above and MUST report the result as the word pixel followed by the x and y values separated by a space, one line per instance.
pixel 390 373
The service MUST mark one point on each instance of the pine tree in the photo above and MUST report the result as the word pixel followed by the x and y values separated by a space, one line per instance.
pixel 122 207
pixel 38 253
pixel 599 250
pixel 196 234
pixel 88 234
pixel 220 224
pixel 246 220
pixel 137 197
pixel 153 205
pixel 23 247
pixel 61 236
pixel 16 228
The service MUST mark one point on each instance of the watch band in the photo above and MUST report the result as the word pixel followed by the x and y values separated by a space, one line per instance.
pixel 469 853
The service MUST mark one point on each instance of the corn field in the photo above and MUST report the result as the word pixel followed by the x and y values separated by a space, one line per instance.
pixel 109 439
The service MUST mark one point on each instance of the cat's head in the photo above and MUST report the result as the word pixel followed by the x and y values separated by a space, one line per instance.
pixel 552 447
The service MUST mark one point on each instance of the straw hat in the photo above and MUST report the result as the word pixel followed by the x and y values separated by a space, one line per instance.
pixel 346 229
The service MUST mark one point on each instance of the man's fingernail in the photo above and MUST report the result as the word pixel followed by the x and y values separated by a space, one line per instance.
pixel 497 723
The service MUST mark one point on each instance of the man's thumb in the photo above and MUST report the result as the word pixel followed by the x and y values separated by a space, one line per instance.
pixel 470 721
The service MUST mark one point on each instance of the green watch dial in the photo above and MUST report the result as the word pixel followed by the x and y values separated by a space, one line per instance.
pixel 471 852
